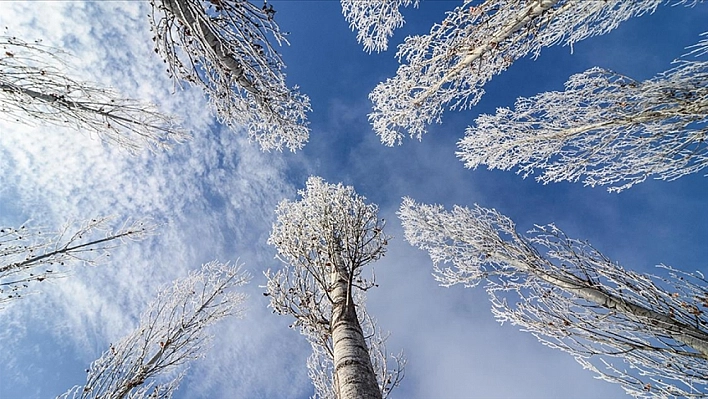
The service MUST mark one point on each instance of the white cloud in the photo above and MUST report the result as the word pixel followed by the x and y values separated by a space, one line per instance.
pixel 211 196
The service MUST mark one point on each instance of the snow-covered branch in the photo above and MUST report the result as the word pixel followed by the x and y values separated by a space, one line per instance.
pixel 150 361
pixel 35 88
pixel 324 241
pixel 224 47
pixel 450 66
pixel 605 128
pixel 374 20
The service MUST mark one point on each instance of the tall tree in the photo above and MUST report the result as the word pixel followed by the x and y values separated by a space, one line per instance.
pixel 30 254
pixel 325 240
pixel 150 361
pixel 450 66
pixel 572 297
pixel 605 128
pixel 35 88
pixel 374 20
pixel 224 46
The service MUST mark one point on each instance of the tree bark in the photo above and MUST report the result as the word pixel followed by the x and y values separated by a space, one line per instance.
pixel 354 376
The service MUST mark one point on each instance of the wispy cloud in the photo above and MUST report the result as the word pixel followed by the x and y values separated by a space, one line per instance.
pixel 212 197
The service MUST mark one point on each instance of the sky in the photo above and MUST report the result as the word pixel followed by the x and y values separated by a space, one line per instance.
pixel 214 198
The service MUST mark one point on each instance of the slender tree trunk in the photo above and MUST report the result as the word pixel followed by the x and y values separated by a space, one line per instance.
pixel 60 102
pixel 524 16
pixel 204 33
pixel 354 376
pixel 686 334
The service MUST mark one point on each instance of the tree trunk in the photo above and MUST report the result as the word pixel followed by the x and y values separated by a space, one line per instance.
pixel 354 376
pixel 183 12
pixel 683 333
pixel 523 17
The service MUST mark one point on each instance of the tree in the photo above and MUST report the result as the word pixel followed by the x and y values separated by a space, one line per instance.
pixel 31 255
pixel 324 241
pixel 572 297
pixel 223 46
pixel 374 20
pixel 35 89
pixel 605 128
pixel 150 361
pixel 450 66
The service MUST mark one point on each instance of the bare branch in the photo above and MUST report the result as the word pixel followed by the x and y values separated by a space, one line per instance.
pixel 150 361
pixel 35 89
pixel 30 255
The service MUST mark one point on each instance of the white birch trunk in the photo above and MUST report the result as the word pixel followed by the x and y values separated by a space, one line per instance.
pixel 681 332
pixel 182 11
pixel 353 373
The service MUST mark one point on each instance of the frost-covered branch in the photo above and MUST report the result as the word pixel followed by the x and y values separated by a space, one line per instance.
pixel 30 255
pixel 324 241
pixel 150 361
pixel 224 47
pixel 605 128
pixel 450 66
pixel 35 88
pixel 374 20
pixel 572 297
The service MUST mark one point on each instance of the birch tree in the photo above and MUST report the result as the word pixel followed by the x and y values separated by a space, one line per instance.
pixel 450 66
pixel 572 297
pixel 325 240
pixel 374 20
pixel 30 254
pixel 605 128
pixel 225 47
pixel 36 88
pixel 150 361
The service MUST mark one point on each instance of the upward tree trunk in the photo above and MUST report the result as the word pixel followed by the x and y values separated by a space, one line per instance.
pixel 354 376
pixel 184 13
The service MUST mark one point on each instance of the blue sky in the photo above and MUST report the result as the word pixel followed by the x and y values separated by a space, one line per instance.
pixel 216 195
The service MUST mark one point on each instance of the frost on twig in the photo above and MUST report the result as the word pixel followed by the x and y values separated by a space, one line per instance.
pixel 374 20
pixel 35 88
pixel 224 47
pixel 450 66
pixel 573 298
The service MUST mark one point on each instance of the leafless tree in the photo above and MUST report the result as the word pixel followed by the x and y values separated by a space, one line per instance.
pixel 374 20
pixel 450 66
pixel 36 88
pixel 324 241
pixel 605 128
pixel 30 255
pixel 150 361
pixel 572 297
pixel 224 46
